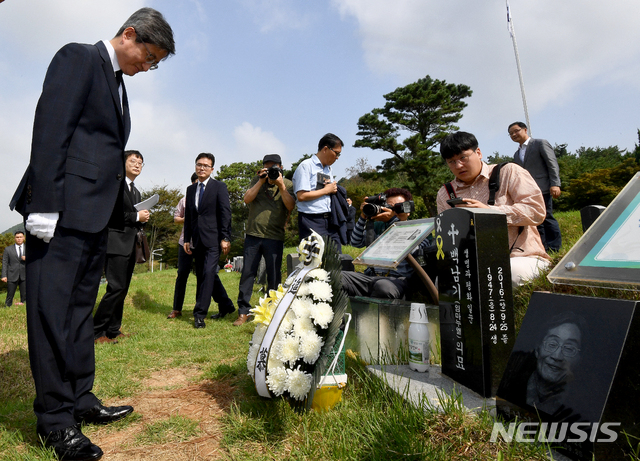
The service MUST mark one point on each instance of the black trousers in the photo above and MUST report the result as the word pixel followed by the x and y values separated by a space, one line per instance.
pixel 11 291
pixel 359 284
pixel 64 276
pixel 254 249
pixel 550 229
pixel 320 224
pixel 184 269
pixel 108 317
pixel 209 284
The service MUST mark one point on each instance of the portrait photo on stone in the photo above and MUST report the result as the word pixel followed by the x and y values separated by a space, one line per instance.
pixel 565 357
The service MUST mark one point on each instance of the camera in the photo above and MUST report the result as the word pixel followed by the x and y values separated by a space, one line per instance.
pixel 374 205
pixel 273 172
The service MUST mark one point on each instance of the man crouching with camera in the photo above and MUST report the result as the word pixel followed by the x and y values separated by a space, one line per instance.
pixel 382 211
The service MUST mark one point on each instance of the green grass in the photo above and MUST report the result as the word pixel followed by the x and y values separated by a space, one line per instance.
pixel 372 422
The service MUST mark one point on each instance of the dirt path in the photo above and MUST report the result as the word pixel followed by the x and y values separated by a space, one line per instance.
pixel 170 394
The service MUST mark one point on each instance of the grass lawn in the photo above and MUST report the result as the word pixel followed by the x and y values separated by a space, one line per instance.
pixel 194 399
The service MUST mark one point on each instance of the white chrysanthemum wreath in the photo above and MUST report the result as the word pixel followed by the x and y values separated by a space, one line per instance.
pixel 293 324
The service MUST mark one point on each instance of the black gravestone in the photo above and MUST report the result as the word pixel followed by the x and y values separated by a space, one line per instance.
pixel 591 391
pixel 476 305
pixel 589 214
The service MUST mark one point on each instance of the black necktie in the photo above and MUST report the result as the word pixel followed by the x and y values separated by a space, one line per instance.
pixel 119 77
pixel 19 251
pixel 201 194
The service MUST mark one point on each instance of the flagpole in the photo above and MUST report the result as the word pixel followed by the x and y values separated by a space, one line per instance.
pixel 512 32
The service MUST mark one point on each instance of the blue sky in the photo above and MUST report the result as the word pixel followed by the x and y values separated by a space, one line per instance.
pixel 258 76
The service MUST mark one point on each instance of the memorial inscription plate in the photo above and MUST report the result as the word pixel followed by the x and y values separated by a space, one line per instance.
pixel 476 306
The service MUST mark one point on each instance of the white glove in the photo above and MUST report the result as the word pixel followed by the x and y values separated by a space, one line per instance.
pixel 42 225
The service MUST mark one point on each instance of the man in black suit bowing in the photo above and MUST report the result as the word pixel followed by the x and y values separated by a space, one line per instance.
pixel 121 256
pixel 71 192
pixel 207 224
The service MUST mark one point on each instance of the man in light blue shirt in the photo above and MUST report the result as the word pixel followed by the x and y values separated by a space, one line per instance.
pixel 313 184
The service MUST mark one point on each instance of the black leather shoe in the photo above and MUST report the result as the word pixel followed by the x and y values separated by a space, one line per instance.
pixel 218 316
pixel 199 323
pixel 70 444
pixel 100 414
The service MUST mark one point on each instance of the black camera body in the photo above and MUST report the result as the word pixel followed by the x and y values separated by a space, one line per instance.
pixel 374 205
pixel 273 172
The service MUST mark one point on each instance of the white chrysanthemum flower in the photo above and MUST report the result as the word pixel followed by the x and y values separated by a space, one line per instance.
pixel 289 349
pixel 300 307
pixel 277 380
pixel 298 383
pixel 321 291
pixel 251 360
pixel 322 315
pixel 274 362
pixel 258 333
pixel 320 274
pixel 303 290
pixel 310 346
pixel 302 325
pixel 287 322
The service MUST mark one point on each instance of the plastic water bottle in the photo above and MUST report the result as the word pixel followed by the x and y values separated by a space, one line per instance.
pixel 418 338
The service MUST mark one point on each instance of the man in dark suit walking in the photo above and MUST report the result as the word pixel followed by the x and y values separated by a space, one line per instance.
pixel 207 231
pixel 13 269
pixel 121 256
pixel 71 192
pixel 538 158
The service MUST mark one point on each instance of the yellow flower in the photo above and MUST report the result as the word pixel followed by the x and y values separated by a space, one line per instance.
pixel 263 313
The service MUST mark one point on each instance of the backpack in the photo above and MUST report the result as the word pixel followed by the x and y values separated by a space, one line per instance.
pixel 494 184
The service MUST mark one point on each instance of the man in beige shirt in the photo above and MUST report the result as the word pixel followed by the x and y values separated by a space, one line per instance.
pixel 518 197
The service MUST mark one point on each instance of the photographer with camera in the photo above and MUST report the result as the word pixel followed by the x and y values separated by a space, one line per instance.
pixel 377 214
pixel 270 200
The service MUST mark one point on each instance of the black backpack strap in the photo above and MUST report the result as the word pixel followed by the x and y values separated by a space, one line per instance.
pixel 449 187
pixel 494 183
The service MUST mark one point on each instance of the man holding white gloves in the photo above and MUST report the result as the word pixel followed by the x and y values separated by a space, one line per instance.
pixel 70 194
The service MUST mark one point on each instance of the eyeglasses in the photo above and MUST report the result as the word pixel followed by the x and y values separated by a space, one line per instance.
pixel 462 159
pixel 515 132
pixel 151 58
pixel 568 350
pixel 337 153
pixel 202 166
pixel 136 163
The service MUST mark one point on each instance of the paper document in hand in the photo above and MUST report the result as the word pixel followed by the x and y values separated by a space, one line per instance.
pixel 148 203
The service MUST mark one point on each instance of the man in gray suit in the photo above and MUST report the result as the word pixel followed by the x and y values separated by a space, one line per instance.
pixel 538 158
pixel 13 269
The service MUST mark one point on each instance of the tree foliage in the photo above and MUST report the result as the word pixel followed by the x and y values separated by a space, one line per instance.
pixel 161 231
pixel 412 122
pixel 600 186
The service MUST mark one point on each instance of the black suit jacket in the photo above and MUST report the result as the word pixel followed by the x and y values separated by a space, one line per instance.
pixel 540 161
pixel 13 268
pixel 122 241
pixel 208 225
pixel 79 134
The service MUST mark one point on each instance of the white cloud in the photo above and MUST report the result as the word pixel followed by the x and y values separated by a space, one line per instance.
pixel 276 14
pixel 252 143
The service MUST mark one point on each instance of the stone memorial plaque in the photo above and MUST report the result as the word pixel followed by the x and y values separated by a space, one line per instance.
pixel 476 305
pixel 574 367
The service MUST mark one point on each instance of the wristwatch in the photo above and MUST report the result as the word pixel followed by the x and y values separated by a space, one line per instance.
pixel 225 240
